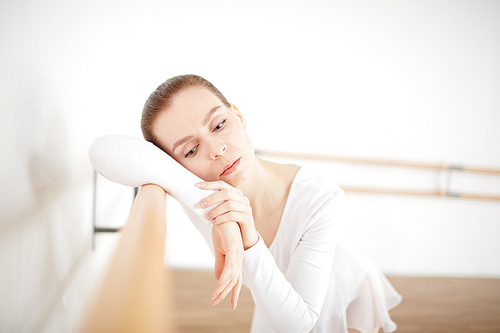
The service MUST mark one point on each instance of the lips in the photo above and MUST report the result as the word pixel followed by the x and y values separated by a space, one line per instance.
pixel 231 167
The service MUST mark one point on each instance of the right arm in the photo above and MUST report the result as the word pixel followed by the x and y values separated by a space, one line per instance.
pixel 135 162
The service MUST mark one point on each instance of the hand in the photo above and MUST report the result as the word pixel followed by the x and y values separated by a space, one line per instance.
pixel 228 250
pixel 234 207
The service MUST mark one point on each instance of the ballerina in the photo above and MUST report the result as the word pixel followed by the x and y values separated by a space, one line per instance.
pixel 302 278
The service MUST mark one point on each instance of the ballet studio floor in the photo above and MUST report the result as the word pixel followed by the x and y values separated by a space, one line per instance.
pixel 429 305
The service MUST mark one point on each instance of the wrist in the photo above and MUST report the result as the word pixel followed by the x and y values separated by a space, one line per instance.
pixel 250 240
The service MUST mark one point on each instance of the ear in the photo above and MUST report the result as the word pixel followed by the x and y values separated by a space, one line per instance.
pixel 239 115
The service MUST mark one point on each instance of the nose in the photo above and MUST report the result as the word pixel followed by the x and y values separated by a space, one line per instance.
pixel 217 150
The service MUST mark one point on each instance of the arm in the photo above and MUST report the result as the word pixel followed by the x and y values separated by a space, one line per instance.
pixel 134 162
pixel 297 294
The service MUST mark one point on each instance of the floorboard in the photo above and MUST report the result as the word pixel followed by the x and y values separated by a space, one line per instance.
pixel 429 305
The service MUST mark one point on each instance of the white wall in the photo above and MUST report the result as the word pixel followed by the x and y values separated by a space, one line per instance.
pixel 410 80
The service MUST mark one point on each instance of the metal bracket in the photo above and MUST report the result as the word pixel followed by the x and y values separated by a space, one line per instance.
pixel 449 172
pixel 95 228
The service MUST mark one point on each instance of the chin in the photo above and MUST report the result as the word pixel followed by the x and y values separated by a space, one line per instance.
pixel 235 182
pixel 242 176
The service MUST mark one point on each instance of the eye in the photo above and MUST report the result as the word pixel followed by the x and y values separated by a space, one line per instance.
pixel 191 152
pixel 220 126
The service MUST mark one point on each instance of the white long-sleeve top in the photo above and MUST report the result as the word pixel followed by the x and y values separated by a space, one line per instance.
pixel 294 283
pixel 289 281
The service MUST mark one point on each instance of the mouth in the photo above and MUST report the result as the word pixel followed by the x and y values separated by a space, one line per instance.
pixel 231 167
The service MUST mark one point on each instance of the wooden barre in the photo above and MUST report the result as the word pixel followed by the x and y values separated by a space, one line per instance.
pixel 379 190
pixel 133 295
pixel 393 163
pixel 372 161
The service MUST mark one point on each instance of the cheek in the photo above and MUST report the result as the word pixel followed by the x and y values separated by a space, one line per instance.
pixel 238 137
pixel 245 144
pixel 203 168
pixel 198 168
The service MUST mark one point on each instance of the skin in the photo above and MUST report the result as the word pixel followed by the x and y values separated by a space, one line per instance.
pixel 211 136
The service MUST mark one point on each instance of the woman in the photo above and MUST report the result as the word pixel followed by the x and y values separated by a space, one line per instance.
pixel 300 278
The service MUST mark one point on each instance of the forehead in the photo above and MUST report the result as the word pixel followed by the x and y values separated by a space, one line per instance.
pixel 193 99
pixel 185 115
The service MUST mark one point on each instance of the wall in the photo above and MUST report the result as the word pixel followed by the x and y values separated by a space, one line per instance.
pixel 409 80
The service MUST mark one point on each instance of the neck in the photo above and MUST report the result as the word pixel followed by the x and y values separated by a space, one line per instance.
pixel 263 186
pixel 259 180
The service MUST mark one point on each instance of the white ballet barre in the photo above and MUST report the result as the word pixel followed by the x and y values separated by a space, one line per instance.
pixel 395 163
pixel 133 295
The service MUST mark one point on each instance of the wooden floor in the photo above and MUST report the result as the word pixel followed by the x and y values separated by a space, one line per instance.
pixel 429 305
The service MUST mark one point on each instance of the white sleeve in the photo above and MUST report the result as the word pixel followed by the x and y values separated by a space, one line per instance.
pixel 135 162
pixel 292 302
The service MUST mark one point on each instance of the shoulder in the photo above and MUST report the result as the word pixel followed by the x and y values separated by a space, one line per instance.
pixel 315 201
pixel 310 180
pixel 314 195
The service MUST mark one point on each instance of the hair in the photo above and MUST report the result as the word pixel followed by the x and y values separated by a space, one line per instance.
pixel 161 99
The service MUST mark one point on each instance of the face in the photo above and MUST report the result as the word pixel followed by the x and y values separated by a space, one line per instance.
pixel 206 137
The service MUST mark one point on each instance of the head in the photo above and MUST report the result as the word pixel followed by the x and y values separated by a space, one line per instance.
pixel 190 119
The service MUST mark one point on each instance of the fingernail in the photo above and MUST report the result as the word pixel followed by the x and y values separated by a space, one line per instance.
pixel 216 302
pixel 203 204
pixel 209 216
pixel 202 184
pixel 235 304
pixel 216 295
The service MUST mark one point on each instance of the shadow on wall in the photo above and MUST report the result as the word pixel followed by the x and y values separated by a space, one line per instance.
pixel 38 169
pixel 45 219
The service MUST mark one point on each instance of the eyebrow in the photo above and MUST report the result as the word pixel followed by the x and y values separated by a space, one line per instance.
pixel 209 115
pixel 203 123
pixel 181 141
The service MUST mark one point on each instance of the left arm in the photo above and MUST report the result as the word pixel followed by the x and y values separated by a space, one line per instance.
pixel 289 301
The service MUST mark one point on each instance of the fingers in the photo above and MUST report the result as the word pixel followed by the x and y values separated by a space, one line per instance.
pixel 228 279
pixel 222 291
pixel 217 185
pixel 219 264
pixel 233 207
pixel 228 262
pixel 236 292
pixel 234 285
pixel 230 211
pixel 239 218
pixel 224 195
